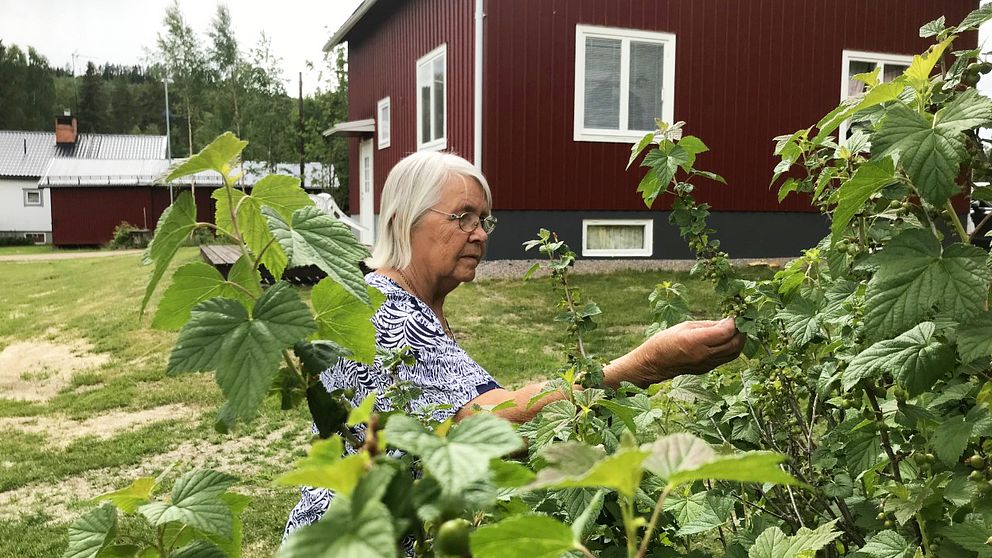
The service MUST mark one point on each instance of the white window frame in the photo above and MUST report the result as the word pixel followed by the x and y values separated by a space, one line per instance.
pixel 440 143
pixel 646 251
pixel 877 58
pixel 41 198
pixel 623 135
pixel 384 124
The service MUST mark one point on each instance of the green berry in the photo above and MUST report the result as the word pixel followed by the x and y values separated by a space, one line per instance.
pixel 976 462
pixel 452 537
pixel 882 516
pixel 976 476
pixel 888 524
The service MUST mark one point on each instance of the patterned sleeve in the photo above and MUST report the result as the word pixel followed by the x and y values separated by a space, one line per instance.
pixel 444 373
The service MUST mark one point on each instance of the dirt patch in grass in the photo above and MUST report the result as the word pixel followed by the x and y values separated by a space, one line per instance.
pixel 37 370
pixel 60 432
pixel 244 457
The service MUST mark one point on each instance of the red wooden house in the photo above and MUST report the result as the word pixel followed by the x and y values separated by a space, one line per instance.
pixel 547 96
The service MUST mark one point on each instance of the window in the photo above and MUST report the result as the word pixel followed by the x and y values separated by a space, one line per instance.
pixel 432 102
pixel 37 238
pixel 383 123
pixel 624 79
pixel 890 67
pixel 33 197
pixel 617 237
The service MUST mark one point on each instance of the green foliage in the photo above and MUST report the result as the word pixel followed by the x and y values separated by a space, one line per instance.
pixel 199 519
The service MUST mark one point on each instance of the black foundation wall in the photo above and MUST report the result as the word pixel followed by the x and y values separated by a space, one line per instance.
pixel 741 234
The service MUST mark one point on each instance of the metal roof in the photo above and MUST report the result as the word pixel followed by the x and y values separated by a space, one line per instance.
pixel 352 129
pixel 72 173
pixel 27 154
pixel 341 33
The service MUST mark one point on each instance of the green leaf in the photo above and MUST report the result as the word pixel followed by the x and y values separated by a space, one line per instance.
pixel 915 275
pixel 196 501
pixel 199 549
pixel 975 337
pixel 237 503
pixel 636 149
pixel 129 499
pixel 175 224
pixel 773 543
pixel 217 156
pixel 922 66
pixel 789 186
pixel 675 453
pixel 621 472
pixel 92 532
pixel 975 18
pixel 881 93
pixel 346 320
pixel 586 521
pixel 313 237
pixel 970 535
pixel 886 544
pixel 347 530
pixel 282 193
pixel 252 226
pixel 699 512
pixel 244 350
pixel 363 412
pixel 665 161
pixel 753 466
pixel 460 458
pixel 933 28
pixel 950 439
pixel 801 320
pixel 507 474
pixel 916 358
pixel 195 282
pixel 324 467
pixel 524 536
pixel 870 178
pixel 930 148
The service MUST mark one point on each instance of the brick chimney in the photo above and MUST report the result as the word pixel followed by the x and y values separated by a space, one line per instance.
pixel 65 129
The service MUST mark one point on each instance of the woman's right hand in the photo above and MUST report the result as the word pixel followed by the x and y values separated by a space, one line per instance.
pixel 694 347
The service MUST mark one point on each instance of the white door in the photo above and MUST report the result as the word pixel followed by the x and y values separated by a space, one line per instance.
pixel 366 205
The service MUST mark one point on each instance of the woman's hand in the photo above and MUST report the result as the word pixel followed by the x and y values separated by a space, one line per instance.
pixel 688 348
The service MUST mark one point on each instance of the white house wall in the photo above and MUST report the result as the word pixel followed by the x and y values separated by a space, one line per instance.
pixel 18 218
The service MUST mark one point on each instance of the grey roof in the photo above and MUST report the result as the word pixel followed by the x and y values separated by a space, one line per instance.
pixel 68 172
pixel 27 154
pixel 357 16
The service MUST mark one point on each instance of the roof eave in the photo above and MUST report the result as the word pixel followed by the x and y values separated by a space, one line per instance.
pixel 338 37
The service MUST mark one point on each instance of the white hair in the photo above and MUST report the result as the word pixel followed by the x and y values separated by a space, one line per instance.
pixel 412 188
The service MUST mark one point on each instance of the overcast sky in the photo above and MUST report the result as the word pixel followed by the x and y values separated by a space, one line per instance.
pixel 119 31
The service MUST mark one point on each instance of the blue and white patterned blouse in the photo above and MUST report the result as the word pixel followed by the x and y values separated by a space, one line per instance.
pixel 443 371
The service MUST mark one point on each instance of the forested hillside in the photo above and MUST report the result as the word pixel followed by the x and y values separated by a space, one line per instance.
pixel 215 84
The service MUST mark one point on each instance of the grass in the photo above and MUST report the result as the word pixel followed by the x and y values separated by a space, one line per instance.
pixel 30 249
pixel 506 325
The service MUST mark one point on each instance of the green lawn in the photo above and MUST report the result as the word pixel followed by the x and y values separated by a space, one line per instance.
pixel 50 464
pixel 32 249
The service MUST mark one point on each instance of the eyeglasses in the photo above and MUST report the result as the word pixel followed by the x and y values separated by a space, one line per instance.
pixel 469 221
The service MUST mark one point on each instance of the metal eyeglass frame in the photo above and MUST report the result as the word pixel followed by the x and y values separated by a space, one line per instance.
pixel 488 224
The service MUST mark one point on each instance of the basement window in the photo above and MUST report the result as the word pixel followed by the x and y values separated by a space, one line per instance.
pixel 33 197
pixel 890 66
pixel 384 122
pixel 432 102
pixel 624 79
pixel 617 237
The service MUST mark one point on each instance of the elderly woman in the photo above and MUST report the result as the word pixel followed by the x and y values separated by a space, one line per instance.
pixel 435 221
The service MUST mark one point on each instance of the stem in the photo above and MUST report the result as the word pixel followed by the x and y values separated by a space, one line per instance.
pixel 923 534
pixel 585 551
pixel 979 227
pixel 952 216
pixel 654 520
pixel 883 432
pixel 258 259
pixel 627 514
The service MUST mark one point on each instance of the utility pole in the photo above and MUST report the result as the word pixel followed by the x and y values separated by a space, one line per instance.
pixel 302 165
pixel 168 131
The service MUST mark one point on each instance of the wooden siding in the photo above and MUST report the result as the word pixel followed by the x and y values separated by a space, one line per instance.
pixel 382 57
pixel 88 216
pixel 747 70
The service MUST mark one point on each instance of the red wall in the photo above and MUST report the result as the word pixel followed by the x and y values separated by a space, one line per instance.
pixel 87 216
pixel 382 57
pixel 746 71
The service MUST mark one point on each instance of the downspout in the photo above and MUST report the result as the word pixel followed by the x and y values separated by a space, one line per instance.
pixel 477 147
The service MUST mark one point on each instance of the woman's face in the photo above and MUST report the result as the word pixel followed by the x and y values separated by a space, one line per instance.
pixel 440 248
